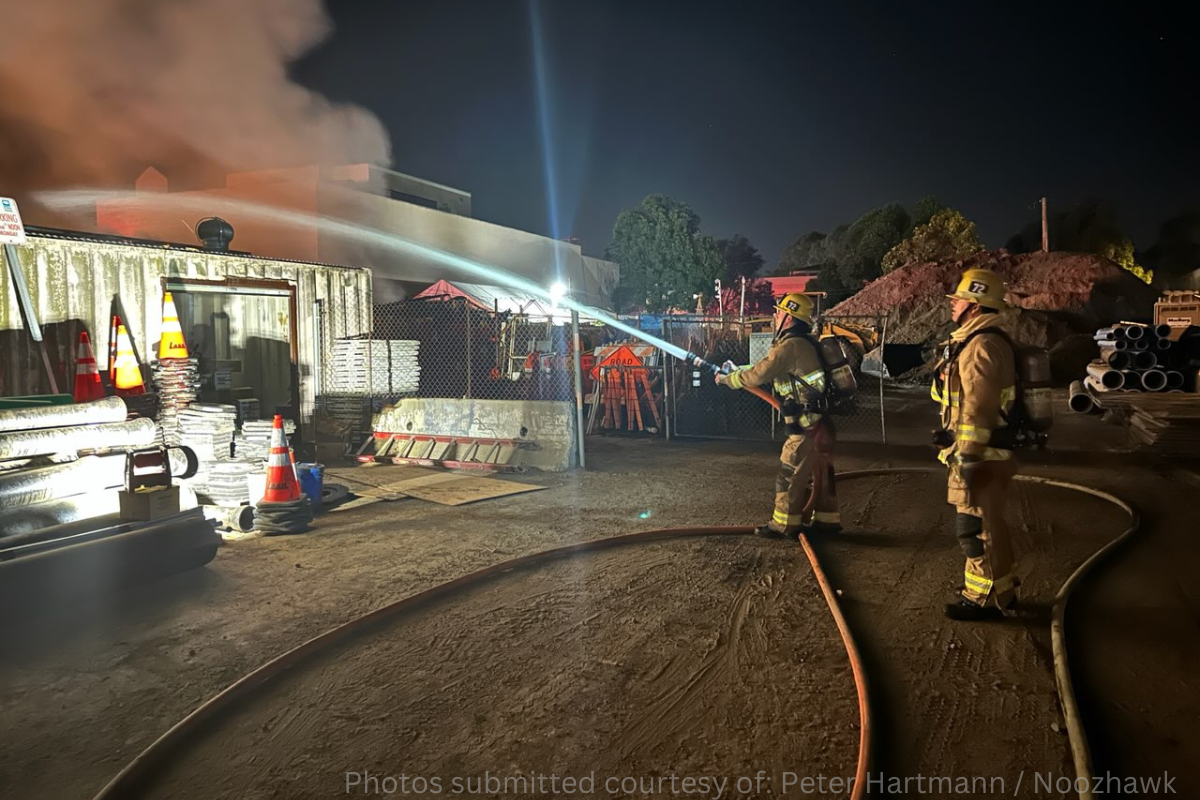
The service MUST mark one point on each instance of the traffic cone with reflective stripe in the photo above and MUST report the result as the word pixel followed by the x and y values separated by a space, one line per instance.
pixel 88 386
pixel 282 486
pixel 127 373
pixel 171 345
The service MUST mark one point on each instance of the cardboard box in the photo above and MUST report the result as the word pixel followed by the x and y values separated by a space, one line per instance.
pixel 149 504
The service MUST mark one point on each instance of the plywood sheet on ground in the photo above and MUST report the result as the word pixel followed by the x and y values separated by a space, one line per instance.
pixel 445 488
pixel 453 489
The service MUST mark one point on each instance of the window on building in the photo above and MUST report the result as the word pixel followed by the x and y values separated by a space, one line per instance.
pixel 412 198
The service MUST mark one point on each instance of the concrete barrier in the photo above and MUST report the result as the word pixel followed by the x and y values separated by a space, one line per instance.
pixel 548 425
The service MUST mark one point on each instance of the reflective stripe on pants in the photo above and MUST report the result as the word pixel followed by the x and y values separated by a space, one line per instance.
pixel 988 577
pixel 797 461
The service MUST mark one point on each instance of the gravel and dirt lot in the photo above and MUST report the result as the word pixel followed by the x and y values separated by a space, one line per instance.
pixel 711 656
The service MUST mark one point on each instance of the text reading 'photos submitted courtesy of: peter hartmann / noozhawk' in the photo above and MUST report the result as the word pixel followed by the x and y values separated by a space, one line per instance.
pixel 761 784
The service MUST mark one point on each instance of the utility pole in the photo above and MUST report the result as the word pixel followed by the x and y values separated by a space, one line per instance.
pixel 742 308
pixel 1045 229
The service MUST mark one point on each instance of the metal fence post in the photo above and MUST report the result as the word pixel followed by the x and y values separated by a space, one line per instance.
pixel 882 372
pixel 318 345
pixel 467 309
pixel 578 370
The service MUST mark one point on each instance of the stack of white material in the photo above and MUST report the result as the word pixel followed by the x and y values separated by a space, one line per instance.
pixel 208 429
pixel 375 366
pixel 254 441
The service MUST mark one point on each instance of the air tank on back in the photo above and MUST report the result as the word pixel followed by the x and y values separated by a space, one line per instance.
pixel 1034 364
pixel 840 374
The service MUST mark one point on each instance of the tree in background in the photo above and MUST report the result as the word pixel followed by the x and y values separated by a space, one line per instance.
pixel 740 257
pixel 1177 251
pixel 664 259
pixel 807 252
pixel 1120 252
pixel 872 237
pixel 760 301
pixel 923 211
pixel 1090 227
pixel 947 236
pixel 1082 229
pixel 851 256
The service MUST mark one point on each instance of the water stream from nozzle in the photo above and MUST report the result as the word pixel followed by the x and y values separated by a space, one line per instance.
pixel 65 200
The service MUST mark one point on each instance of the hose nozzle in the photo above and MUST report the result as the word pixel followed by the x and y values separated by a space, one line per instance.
pixel 699 363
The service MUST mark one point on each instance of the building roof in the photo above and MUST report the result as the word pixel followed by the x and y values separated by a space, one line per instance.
pixel 131 241
pixel 786 284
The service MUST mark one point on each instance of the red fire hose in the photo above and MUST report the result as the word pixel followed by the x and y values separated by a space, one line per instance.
pixel 128 781
pixel 823 444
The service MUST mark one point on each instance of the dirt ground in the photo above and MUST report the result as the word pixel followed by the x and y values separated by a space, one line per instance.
pixel 679 657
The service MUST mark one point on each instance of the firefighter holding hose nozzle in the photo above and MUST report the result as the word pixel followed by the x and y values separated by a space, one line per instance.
pixel 797 371
pixel 975 387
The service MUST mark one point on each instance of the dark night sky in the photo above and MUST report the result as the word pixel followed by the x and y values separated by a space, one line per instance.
pixel 773 119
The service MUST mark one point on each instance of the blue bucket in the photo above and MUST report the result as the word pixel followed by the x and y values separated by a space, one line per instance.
pixel 312 481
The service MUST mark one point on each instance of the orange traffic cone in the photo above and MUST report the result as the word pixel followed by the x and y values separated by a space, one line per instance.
pixel 87 375
pixel 282 486
pixel 126 374
pixel 171 345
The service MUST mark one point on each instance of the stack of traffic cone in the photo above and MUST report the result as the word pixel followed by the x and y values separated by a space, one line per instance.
pixel 176 376
pixel 88 386
pixel 126 373
pixel 283 508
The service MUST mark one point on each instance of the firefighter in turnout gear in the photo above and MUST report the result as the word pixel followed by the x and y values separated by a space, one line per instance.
pixel 794 368
pixel 975 389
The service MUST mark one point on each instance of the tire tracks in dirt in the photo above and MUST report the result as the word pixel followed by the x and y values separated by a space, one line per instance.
pixel 676 657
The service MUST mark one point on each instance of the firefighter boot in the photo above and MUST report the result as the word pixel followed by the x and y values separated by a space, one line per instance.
pixel 966 611
pixel 767 532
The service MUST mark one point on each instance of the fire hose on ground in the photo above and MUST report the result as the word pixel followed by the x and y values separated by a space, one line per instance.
pixel 129 779
pixel 1080 750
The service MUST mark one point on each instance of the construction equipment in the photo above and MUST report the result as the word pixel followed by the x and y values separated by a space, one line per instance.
pixel 869 351
pixel 862 338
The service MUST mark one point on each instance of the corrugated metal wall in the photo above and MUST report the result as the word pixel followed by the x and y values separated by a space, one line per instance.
pixel 73 282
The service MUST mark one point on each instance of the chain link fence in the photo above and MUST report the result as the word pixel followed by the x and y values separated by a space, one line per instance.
pixel 700 408
pixel 445 348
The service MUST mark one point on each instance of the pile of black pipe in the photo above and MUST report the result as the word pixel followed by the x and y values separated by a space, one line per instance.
pixel 1140 358
pixel 291 517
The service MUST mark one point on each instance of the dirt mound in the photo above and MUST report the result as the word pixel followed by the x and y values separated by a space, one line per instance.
pixel 1061 296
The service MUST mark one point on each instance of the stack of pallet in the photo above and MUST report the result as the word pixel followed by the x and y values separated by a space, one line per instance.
pixel 1168 428
pixel 1167 423
pixel 349 413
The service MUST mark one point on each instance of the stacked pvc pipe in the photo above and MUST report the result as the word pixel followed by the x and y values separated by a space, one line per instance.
pixel 1140 358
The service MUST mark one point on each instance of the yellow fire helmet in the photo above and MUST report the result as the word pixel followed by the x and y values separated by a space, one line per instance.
pixel 796 305
pixel 982 286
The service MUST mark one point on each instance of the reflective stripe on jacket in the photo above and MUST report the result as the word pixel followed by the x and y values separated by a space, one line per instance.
pixel 791 362
pixel 975 389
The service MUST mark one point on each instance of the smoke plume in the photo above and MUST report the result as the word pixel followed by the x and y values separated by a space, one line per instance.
pixel 91 93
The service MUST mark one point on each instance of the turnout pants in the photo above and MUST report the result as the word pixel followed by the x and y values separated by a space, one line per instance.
pixel 983 533
pixel 798 464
